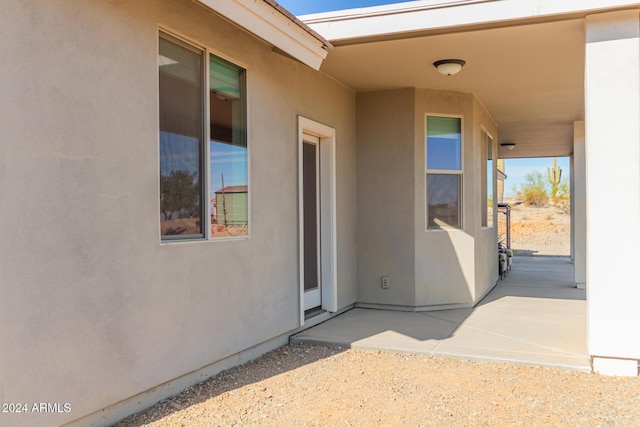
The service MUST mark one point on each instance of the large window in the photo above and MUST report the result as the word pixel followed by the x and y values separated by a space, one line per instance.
pixel 486 169
pixel 444 172
pixel 203 186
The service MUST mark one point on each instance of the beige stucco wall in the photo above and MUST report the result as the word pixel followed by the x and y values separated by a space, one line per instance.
pixel 94 308
pixel 426 268
pixel 454 266
pixel 385 188
pixel 444 258
pixel 486 268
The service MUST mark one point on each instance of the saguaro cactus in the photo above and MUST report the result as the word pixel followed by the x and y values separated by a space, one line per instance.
pixel 554 174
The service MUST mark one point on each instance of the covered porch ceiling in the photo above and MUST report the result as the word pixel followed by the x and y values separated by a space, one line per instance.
pixel 529 76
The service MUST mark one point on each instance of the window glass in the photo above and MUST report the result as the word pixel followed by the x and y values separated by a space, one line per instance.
pixel 444 172
pixel 444 143
pixel 228 149
pixel 443 200
pixel 489 181
pixel 181 137
pixel 185 158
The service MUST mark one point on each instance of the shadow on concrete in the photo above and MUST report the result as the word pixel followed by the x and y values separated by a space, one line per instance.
pixel 534 316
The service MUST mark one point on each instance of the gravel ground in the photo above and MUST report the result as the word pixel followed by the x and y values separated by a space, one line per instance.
pixel 305 385
pixel 317 386
pixel 538 230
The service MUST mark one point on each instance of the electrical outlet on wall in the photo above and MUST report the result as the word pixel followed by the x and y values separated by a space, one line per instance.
pixel 385 282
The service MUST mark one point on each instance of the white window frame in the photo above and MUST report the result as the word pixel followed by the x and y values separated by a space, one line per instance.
pixel 459 172
pixel 207 211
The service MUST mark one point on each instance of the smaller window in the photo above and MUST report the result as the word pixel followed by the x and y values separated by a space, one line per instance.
pixel 228 156
pixel 486 169
pixel 444 172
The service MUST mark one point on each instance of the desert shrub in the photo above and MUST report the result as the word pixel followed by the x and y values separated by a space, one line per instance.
pixel 534 191
pixel 179 194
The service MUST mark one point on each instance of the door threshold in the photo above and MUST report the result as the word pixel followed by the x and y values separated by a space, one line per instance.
pixel 313 312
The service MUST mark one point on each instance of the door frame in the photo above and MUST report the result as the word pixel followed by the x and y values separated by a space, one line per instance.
pixel 327 213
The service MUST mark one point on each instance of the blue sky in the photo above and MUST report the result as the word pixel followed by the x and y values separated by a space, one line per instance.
pixel 230 161
pixel 517 170
pixel 303 7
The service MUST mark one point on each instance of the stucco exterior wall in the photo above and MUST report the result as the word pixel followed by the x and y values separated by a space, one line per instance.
pixel 486 273
pixel 385 188
pixel 431 268
pixel 94 308
pixel 445 259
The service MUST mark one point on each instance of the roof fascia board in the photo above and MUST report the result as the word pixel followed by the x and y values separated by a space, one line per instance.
pixel 266 22
pixel 427 15
pixel 408 6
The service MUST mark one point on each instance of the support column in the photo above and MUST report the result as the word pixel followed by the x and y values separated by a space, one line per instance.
pixel 572 231
pixel 612 147
pixel 579 207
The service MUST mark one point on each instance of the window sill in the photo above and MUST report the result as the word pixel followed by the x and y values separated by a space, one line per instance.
pixel 198 241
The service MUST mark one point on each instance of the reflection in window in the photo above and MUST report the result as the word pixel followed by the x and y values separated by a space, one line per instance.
pixel 181 137
pixel 183 152
pixel 444 172
pixel 228 149
pixel 443 200
pixel 444 143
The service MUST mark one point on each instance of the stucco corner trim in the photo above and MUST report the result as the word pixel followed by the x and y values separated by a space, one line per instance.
pixel 273 26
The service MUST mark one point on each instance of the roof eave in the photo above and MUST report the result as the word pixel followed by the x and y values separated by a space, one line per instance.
pixel 424 16
pixel 270 22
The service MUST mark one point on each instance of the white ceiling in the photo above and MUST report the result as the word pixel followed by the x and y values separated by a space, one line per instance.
pixel 529 77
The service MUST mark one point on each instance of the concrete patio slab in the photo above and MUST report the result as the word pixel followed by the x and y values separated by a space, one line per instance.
pixel 376 329
pixel 534 316
pixel 456 316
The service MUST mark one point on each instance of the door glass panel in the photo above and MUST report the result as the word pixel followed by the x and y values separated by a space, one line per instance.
pixel 310 215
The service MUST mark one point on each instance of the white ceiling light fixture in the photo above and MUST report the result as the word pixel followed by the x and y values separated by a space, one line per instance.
pixel 449 67
pixel 508 145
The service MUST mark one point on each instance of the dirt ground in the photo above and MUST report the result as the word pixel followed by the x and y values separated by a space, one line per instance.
pixel 537 230
pixel 317 386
